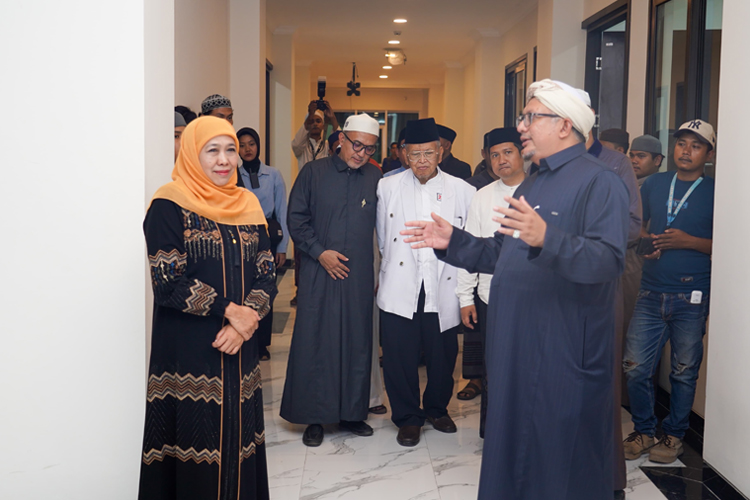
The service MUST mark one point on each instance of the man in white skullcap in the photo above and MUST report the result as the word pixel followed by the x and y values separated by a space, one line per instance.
pixel 555 262
pixel 331 219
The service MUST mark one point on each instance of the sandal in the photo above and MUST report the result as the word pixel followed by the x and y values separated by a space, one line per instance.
pixel 379 410
pixel 469 392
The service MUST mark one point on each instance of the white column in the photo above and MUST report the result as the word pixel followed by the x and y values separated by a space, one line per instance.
pixel 454 101
pixel 728 383
pixel 87 78
pixel 639 27
pixel 562 43
pixel 247 63
pixel 201 52
pixel 490 91
pixel 282 98
pixel 302 96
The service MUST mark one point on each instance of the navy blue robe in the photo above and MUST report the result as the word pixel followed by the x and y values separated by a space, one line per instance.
pixel 550 335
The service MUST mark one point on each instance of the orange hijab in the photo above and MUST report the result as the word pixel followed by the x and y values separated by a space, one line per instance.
pixel 193 190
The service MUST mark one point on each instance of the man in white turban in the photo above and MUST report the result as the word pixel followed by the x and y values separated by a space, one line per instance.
pixel 555 262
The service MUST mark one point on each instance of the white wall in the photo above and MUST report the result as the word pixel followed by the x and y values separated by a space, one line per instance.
pixel 728 405
pixel 72 363
pixel 247 63
pixel 201 55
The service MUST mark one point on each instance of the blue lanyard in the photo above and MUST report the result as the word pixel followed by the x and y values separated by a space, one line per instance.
pixel 671 217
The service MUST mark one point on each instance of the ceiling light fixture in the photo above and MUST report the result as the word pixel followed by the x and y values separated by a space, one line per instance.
pixel 394 42
pixel 399 21
pixel 387 67
pixel 383 76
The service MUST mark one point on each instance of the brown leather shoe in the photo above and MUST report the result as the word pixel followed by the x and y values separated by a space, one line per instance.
pixel 408 435
pixel 443 424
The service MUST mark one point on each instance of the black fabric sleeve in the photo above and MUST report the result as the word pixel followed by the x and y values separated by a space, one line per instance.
pixel 476 255
pixel 299 215
pixel 167 259
pixel 264 288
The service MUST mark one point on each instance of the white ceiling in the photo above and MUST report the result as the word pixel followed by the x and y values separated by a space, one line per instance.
pixel 329 36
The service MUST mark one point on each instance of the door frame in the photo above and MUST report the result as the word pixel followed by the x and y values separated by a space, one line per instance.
pixel 511 70
pixel 603 20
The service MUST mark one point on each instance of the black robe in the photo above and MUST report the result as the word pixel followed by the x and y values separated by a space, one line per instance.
pixel 332 207
pixel 455 167
pixel 204 435
pixel 550 323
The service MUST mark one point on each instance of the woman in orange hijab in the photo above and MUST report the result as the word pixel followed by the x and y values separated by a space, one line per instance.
pixel 213 278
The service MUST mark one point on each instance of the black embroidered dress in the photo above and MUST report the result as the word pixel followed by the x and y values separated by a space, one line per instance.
pixel 204 433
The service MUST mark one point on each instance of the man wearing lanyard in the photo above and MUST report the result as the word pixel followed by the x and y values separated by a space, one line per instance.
pixel 673 299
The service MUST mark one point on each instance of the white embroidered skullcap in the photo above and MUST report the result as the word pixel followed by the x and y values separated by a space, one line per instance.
pixel 362 123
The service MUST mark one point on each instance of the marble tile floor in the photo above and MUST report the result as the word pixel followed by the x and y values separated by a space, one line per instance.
pixel 347 467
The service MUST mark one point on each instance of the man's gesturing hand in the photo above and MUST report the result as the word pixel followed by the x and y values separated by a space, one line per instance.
pixel 331 262
pixel 427 234
pixel 524 219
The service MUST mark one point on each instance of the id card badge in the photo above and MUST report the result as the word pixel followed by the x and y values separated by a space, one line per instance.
pixel 696 297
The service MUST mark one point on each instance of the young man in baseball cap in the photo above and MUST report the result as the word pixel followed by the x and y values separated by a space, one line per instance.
pixel 674 296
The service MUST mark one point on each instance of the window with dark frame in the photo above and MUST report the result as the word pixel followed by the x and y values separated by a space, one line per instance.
pixel 607 58
pixel 515 89
pixel 683 70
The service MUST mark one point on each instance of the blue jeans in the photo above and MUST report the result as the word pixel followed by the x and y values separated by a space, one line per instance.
pixel 659 317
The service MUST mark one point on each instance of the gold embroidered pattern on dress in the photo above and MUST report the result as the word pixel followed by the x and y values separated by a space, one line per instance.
pixel 249 450
pixel 183 387
pixel 166 266
pixel 202 236
pixel 251 382
pixel 249 238
pixel 212 456
pixel 201 299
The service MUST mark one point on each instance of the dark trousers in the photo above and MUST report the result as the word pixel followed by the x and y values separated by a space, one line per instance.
pixel 402 340
pixel 482 313
pixel 265 326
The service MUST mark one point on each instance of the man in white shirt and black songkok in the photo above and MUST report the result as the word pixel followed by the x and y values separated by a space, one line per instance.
pixel 503 147
pixel 417 294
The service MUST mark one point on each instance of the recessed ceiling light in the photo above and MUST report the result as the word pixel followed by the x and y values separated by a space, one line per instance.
pixel 394 42
pixel 399 21
pixel 387 67
pixel 383 76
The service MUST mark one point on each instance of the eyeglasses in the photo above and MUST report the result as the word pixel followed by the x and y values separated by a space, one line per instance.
pixel 415 156
pixel 358 146
pixel 528 118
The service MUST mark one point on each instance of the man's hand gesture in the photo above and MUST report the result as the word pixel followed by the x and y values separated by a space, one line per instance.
pixel 428 234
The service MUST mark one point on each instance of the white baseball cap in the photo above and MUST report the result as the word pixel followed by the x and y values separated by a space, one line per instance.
pixel 362 123
pixel 702 129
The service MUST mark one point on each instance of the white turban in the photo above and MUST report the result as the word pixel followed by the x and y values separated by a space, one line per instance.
pixel 565 101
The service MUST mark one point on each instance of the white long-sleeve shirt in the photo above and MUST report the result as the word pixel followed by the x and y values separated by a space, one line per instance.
pixel 307 149
pixel 479 223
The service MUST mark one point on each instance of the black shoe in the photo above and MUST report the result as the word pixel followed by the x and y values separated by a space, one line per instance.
pixel 619 494
pixel 443 424
pixel 293 302
pixel 265 355
pixel 313 435
pixel 359 428
pixel 408 435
